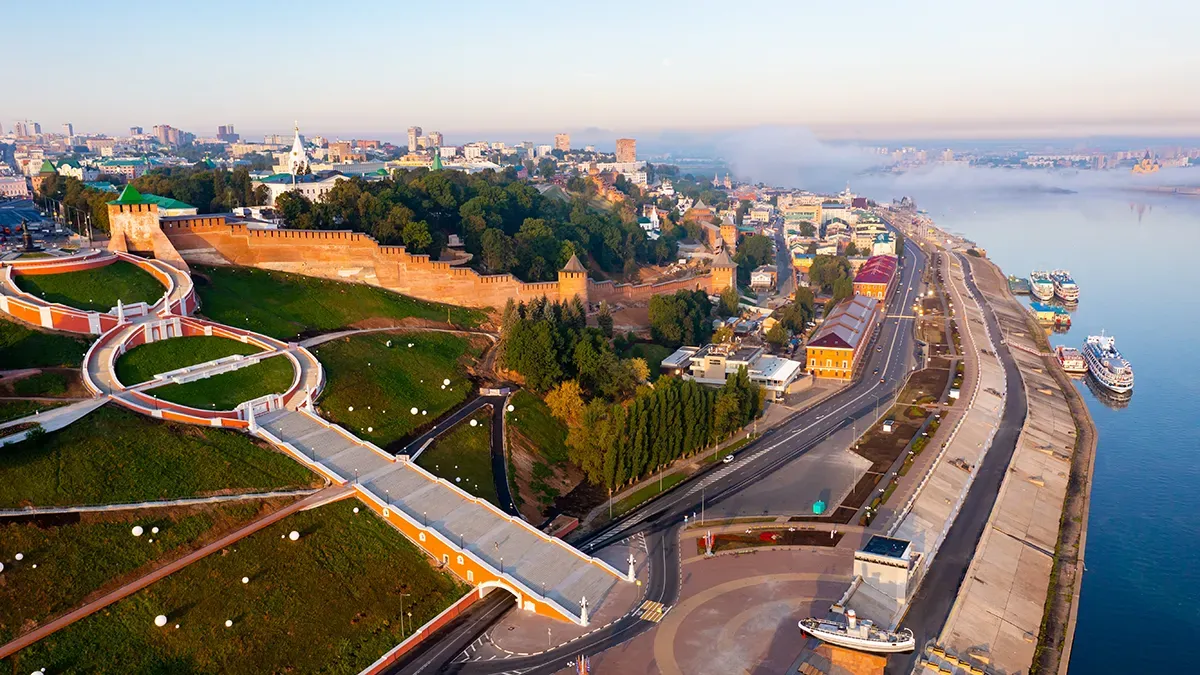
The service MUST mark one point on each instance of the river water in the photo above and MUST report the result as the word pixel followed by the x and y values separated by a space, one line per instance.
pixel 1136 258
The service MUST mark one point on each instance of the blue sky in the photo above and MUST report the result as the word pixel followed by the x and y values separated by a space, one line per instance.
pixel 861 69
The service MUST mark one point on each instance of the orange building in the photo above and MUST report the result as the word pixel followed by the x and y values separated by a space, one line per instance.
pixel 837 346
pixel 877 277
pixel 626 150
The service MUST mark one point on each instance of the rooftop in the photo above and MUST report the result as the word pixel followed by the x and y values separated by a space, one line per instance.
pixel 878 269
pixel 886 547
pixel 844 328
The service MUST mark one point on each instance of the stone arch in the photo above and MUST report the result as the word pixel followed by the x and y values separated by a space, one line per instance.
pixel 498 583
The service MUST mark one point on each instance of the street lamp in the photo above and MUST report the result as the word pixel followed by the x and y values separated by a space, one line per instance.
pixel 402 597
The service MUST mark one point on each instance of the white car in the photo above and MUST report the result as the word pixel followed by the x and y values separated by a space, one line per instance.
pixel 727 459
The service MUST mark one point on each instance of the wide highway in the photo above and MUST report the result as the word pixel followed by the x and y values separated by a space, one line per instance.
pixel 661 519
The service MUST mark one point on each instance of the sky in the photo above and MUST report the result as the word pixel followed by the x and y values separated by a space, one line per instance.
pixel 524 70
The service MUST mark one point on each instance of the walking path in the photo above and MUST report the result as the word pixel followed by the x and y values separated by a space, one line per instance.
pixel 170 568
pixel 53 420
pixel 161 504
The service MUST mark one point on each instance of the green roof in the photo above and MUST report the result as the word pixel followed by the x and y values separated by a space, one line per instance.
pixel 130 195
pixel 47 167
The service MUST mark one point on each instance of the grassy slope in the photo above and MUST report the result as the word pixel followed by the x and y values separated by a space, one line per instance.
pixel 465 452
pixel 25 347
pixel 384 383
pixel 145 361
pixel 12 410
pixel 285 305
pixel 227 390
pixel 531 426
pixel 79 558
pixel 96 289
pixel 329 603
pixel 117 456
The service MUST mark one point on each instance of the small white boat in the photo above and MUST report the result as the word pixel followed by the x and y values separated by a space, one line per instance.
pixel 860 635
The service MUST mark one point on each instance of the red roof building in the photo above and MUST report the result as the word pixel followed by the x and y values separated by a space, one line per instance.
pixel 877 277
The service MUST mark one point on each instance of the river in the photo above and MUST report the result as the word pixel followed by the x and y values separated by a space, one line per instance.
pixel 1136 258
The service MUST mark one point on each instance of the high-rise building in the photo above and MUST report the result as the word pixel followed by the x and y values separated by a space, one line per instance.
pixel 68 129
pixel 20 129
pixel 562 142
pixel 35 128
pixel 435 139
pixel 413 134
pixel 135 131
pixel 626 150
pixel 162 132
pixel 226 133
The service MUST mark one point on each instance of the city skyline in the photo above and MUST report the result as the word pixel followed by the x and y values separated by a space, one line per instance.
pixel 534 68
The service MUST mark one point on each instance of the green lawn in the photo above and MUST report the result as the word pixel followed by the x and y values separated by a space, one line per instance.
pixel 227 390
pixel 328 603
pixel 50 383
pixel 465 453
pixel 382 384
pixel 25 347
pixel 14 410
pixel 95 289
pixel 116 456
pixel 652 353
pixel 97 552
pixel 286 305
pixel 145 361
pixel 34 255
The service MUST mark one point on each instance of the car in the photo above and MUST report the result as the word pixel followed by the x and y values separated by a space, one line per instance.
pixel 727 459
pixel 875 372
pixel 882 380
pixel 879 348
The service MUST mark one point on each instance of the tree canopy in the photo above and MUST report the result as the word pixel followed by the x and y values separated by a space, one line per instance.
pixel 682 318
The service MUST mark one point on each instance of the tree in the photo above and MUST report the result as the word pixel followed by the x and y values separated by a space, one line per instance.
pixel 828 269
pixel 728 305
pixel 416 236
pixel 807 229
pixel 851 250
pixel 547 167
pixel 291 206
pixel 604 319
pixel 842 289
pixel 566 403
pixel 680 318
pixel 641 370
pixel 722 335
pixel 777 335
pixel 498 251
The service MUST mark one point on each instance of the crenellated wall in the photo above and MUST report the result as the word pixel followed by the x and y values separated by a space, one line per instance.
pixel 353 256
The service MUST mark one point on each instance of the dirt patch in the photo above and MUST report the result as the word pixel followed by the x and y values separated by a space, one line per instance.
pixel 635 319
pixel 730 542
pixel 538 483
pixel 925 386
pixel 580 501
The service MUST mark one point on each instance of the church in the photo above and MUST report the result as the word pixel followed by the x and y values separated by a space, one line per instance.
pixel 295 175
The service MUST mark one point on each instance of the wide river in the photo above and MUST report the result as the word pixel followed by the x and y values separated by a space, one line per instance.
pixel 1136 258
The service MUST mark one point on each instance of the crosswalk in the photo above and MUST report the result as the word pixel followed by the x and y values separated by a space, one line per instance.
pixel 652 611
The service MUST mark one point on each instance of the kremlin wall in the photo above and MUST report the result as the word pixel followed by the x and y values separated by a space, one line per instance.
pixel 351 256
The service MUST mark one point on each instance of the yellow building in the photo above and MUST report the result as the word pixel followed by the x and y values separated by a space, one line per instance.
pixel 839 344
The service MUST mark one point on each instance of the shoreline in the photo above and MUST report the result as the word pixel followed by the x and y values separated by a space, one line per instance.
pixel 1060 611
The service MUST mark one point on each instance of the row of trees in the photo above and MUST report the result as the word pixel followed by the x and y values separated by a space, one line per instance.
pixel 832 275
pixel 209 190
pixel 619 443
pixel 79 201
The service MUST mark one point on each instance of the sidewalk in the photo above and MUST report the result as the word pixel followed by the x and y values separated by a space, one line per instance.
pixel 53 420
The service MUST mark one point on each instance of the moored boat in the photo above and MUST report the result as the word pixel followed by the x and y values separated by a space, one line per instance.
pixel 1064 286
pixel 861 635
pixel 1070 359
pixel 1051 315
pixel 1106 364
pixel 1041 286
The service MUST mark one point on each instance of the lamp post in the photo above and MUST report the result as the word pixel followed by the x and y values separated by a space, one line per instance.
pixel 402 597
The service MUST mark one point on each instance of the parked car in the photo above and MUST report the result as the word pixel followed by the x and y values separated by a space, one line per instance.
pixel 727 459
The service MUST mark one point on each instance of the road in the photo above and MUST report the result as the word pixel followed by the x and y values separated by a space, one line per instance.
pixel 930 608
pixel 662 518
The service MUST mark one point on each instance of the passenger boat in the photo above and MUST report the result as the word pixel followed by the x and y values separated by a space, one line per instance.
pixel 1070 359
pixel 1041 286
pixel 1051 315
pixel 1106 364
pixel 860 635
pixel 1064 286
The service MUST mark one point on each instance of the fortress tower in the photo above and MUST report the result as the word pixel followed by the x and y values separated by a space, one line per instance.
pixel 729 235
pixel 724 272
pixel 573 281
pixel 134 227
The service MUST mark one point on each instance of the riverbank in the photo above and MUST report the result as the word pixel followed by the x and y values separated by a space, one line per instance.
pixel 1027 558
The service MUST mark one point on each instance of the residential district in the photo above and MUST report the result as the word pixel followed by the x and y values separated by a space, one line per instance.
pixel 344 406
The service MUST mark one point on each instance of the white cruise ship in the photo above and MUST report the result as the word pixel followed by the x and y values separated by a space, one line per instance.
pixel 1064 286
pixel 1106 364
pixel 1042 287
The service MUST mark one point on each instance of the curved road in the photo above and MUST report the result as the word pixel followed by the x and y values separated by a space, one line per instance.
pixel 661 519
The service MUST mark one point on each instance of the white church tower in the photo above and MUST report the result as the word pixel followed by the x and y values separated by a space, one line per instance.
pixel 298 158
